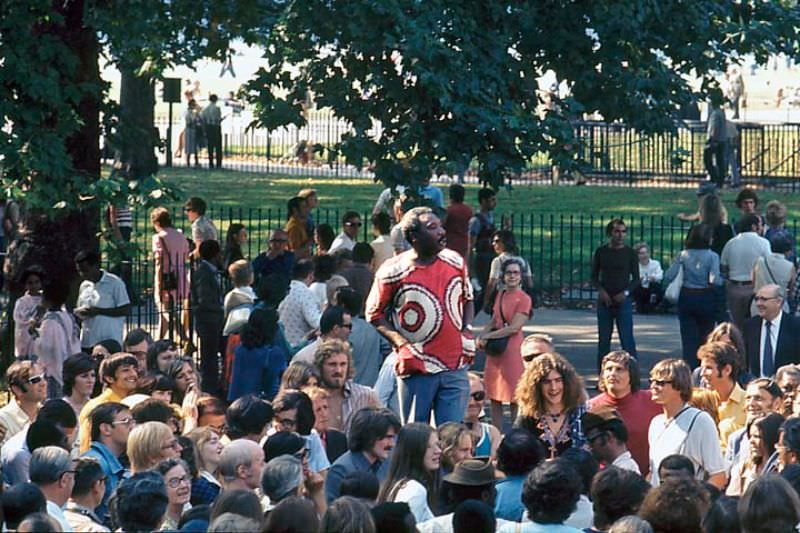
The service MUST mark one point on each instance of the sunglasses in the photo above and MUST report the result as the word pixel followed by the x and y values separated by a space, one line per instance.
pixel 661 382
pixel 478 396
pixel 353 224
pixel 33 380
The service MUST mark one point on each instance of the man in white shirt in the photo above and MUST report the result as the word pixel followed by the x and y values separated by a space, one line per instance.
pixel 351 225
pixel 299 311
pixel 103 301
pixel 736 263
pixel 53 472
pixel 27 383
pixel 607 437
pixel 682 429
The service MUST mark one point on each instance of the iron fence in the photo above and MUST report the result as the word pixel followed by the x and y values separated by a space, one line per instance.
pixel 768 154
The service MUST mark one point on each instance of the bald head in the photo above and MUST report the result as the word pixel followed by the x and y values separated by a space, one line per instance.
pixel 241 463
pixel 534 345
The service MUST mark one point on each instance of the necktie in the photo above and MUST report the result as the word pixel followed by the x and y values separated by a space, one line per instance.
pixel 769 363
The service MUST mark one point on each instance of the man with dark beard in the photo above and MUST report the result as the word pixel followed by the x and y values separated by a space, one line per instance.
pixel 421 301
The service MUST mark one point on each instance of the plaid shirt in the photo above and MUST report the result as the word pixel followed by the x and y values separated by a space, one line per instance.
pixel 203 490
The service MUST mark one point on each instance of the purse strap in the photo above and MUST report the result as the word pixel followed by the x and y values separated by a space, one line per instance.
pixel 500 307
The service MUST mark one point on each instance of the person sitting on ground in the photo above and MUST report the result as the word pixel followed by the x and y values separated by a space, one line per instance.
pixel 141 502
pixel 87 494
pixel 111 425
pixel 179 489
pixel 660 505
pixel 607 436
pixel 586 466
pixel 486 436
pixel 52 471
pixel 80 376
pixel 205 486
pixel 19 501
pixel 294 514
pixel 149 444
pixel 333 441
pixel 240 465
pixel 335 323
pixel 371 440
pixel 550 495
pixel 137 342
pixel 456 443
pixel 675 466
pixel 347 515
pixel 334 360
pixel 518 454
pixel 119 375
pixel 412 470
pixel 615 493
pixel 258 362
pixel 248 418
pixel 722 516
pixel 770 504
pixel 362 485
pixel 472 479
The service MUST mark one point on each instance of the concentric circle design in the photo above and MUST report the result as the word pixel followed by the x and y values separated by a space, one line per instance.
pixel 418 314
pixel 452 297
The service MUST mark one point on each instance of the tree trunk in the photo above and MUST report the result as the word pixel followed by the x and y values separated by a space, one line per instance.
pixel 137 137
pixel 48 242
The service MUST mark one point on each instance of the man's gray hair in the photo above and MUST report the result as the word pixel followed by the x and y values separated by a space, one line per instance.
pixel 788 370
pixel 281 477
pixel 237 453
pixel 410 221
pixel 48 464
pixel 233 523
pixel 631 524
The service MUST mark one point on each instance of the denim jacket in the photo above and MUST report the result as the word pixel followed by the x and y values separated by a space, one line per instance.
pixel 700 269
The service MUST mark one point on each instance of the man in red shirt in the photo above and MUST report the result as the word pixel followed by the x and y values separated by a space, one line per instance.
pixel 421 301
pixel 456 222
pixel 619 381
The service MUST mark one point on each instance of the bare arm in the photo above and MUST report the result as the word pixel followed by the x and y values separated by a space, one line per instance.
pixel 386 329
pixel 514 327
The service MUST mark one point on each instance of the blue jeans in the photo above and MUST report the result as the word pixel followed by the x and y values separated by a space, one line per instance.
pixel 696 313
pixel 622 314
pixel 445 393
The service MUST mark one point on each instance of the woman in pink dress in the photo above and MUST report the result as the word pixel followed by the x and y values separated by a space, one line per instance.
pixel 512 308
pixel 170 252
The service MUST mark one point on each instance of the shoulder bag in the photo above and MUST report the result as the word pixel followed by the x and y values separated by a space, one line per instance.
pixel 673 292
pixel 496 347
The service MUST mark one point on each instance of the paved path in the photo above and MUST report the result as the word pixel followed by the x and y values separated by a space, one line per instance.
pixel 575 336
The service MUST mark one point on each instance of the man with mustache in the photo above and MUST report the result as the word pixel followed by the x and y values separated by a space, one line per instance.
pixel 334 360
pixel 421 301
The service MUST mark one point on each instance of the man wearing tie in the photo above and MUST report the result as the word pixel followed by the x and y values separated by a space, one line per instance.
pixel 772 338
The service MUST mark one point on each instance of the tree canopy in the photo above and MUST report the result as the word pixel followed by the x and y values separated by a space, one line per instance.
pixel 455 81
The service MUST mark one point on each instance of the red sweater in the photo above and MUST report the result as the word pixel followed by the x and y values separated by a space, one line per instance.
pixel 636 410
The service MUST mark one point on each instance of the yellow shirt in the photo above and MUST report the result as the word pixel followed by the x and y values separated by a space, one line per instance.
pixel 84 421
pixel 731 415
pixel 298 237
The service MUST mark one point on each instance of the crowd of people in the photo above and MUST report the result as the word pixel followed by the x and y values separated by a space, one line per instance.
pixel 335 386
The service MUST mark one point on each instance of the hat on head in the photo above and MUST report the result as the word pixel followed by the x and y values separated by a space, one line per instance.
pixel 597 419
pixel 706 187
pixel 472 472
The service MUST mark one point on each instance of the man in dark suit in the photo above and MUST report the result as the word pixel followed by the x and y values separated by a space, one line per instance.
pixel 772 339
pixel 206 302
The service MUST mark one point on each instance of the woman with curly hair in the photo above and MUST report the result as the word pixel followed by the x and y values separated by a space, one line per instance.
pixel 551 400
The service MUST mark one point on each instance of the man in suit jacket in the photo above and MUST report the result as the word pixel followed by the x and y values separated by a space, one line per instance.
pixel 206 302
pixel 772 339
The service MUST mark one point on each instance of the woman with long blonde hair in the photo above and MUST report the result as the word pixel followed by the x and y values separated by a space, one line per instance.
pixel 551 400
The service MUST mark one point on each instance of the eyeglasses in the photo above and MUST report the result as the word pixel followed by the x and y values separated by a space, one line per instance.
pixel 175 482
pixel 353 224
pixel 661 382
pixel 175 445
pixel 33 380
pixel 594 437
pixel 764 298
pixel 287 422
pixel 279 240
pixel 478 395
pixel 127 421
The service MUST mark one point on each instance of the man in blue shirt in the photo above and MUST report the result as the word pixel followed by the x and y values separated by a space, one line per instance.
pixel 111 424
pixel 277 260
pixel 371 440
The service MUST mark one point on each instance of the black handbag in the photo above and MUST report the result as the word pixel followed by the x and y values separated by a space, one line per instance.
pixel 496 347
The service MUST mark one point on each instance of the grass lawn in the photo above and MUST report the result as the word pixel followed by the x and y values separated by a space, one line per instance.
pixel 557 227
